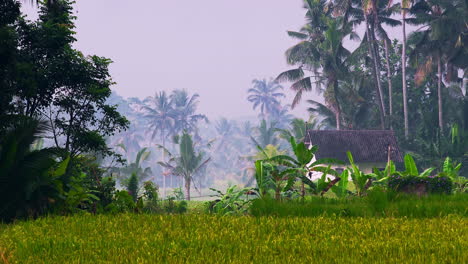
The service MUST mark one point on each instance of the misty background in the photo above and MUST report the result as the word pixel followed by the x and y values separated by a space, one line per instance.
pixel 213 48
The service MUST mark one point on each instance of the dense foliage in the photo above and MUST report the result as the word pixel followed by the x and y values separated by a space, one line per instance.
pixel 417 87
pixel 50 90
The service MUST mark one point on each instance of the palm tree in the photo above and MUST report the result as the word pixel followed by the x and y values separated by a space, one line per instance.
pixel 281 116
pixel 405 5
pixel 225 129
pixel 321 110
pixel 160 113
pixel 266 95
pixel 441 33
pixel 27 177
pixel 185 108
pixel 321 52
pixel 305 55
pixel 187 164
pixel 266 135
pixel 368 7
pixel 135 167
pixel 387 20
pixel 131 139
pixel 374 14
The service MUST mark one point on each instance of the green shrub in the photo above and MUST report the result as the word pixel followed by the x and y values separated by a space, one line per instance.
pixel 123 202
pixel 417 184
pixel 233 201
pixel 151 198
pixel 132 187
pixel 172 206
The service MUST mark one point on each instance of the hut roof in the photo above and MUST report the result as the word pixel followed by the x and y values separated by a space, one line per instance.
pixel 365 145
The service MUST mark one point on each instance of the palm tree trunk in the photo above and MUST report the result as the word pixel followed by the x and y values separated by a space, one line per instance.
pixel 403 73
pixel 338 118
pixel 164 160
pixel 336 105
pixel 187 189
pixel 439 94
pixel 375 46
pixel 375 72
pixel 389 81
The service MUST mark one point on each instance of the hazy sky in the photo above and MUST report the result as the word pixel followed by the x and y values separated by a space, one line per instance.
pixel 210 47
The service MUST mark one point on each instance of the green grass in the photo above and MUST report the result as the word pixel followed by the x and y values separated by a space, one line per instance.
pixel 196 207
pixel 376 204
pixel 195 238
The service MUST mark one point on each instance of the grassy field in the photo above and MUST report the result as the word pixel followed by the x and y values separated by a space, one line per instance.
pixel 377 204
pixel 199 238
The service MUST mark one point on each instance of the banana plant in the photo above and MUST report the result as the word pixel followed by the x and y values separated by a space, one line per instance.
pixel 274 177
pixel 262 177
pixel 383 176
pixel 341 189
pixel 412 170
pixel 452 170
pixel 361 180
pixel 303 163
pixel 231 202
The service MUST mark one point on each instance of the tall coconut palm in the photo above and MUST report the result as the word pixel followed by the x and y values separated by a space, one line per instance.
pixel 369 8
pixel 382 14
pixel 320 52
pixel 405 5
pixel 185 108
pixel 265 94
pixel 305 55
pixel 160 114
pixel 443 28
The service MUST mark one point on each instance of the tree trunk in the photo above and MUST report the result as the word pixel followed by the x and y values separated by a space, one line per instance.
pixel 403 73
pixel 439 94
pixel 338 117
pixel 187 189
pixel 277 194
pixel 375 46
pixel 375 73
pixel 164 160
pixel 302 190
pixel 337 105
pixel 389 81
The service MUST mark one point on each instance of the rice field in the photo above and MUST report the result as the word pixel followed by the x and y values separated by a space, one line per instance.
pixel 199 238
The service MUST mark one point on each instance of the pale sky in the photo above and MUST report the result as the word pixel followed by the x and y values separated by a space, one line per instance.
pixel 211 47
